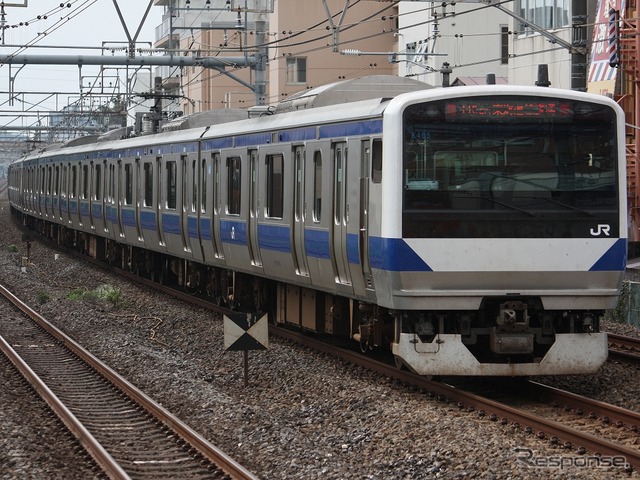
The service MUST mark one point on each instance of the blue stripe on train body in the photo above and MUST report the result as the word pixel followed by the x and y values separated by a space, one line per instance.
pixel 614 259
pixel 148 220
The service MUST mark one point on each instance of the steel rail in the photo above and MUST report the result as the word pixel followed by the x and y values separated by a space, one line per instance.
pixel 95 449
pixel 203 446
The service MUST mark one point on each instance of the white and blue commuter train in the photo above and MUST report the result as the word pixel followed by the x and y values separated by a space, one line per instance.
pixel 470 230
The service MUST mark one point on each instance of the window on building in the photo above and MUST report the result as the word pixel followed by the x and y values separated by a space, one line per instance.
pixel 547 14
pixel 296 70
pixel 275 183
pixel 504 44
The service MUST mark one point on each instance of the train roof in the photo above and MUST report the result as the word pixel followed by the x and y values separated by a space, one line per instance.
pixel 353 90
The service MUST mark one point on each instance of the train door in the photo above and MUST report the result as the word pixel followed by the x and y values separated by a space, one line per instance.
pixel 217 205
pixel 118 197
pixel 138 200
pixel 183 186
pixel 297 232
pixel 159 201
pixel 49 201
pixel 56 194
pixel 192 199
pixel 252 219
pixel 371 154
pixel 340 215
pixel 85 202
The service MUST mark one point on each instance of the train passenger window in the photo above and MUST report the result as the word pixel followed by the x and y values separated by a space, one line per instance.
pixel 74 181
pixel 128 184
pixel 172 183
pixel 63 183
pixel 203 190
pixel 56 181
pixel 50 181
pixel 376 161
pixel 317 185
pixel 194 185
pixel 112 185
pixel 148 184
pixel 85 181
pixel 97 190
pixel 275 183
pixel 233 186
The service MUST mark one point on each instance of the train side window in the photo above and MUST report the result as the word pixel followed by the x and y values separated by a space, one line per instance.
pixel 148 184
pixel 233 186
pixel 85 181
pixel 194 185
pixel 171 184
pixel 376 161
pixel 50 180
pixel 56 185
pixel 97 190
pixel 128 184
pixel 63 183
pixel 275 182
pixel 317 185
pixel 111 182
pixel 74 181
pixel 203 190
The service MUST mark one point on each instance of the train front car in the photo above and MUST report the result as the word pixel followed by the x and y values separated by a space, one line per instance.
pixel 508 243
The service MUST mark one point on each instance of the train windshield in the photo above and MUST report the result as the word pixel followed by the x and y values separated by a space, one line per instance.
pixel 505 166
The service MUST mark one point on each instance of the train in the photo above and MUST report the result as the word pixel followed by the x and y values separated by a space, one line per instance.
pixel 467 230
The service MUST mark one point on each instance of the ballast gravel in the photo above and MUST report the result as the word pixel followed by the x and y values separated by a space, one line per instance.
pixel 304 415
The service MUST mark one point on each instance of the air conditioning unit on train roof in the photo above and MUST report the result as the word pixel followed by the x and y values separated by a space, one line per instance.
pixel 353 90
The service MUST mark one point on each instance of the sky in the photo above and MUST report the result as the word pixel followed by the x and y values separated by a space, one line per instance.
pixel 86 23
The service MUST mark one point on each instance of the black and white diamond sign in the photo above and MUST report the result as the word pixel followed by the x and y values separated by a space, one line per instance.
pixel 245 331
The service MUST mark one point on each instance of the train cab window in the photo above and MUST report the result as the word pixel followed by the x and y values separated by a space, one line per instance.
pixel 275 183
pixel 148 184
pixel 128 184
pixel 172 184
pixel 233 187
pixel 317 185
pixel 376 161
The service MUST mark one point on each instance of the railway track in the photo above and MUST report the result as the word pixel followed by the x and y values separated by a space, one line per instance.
pixel 626 349
pixel 546 424
pixel 127 433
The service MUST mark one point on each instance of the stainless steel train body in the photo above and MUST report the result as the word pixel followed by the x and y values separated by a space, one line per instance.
pixel 471 230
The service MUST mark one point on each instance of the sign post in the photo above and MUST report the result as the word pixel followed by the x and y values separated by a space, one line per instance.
pixel 245 331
